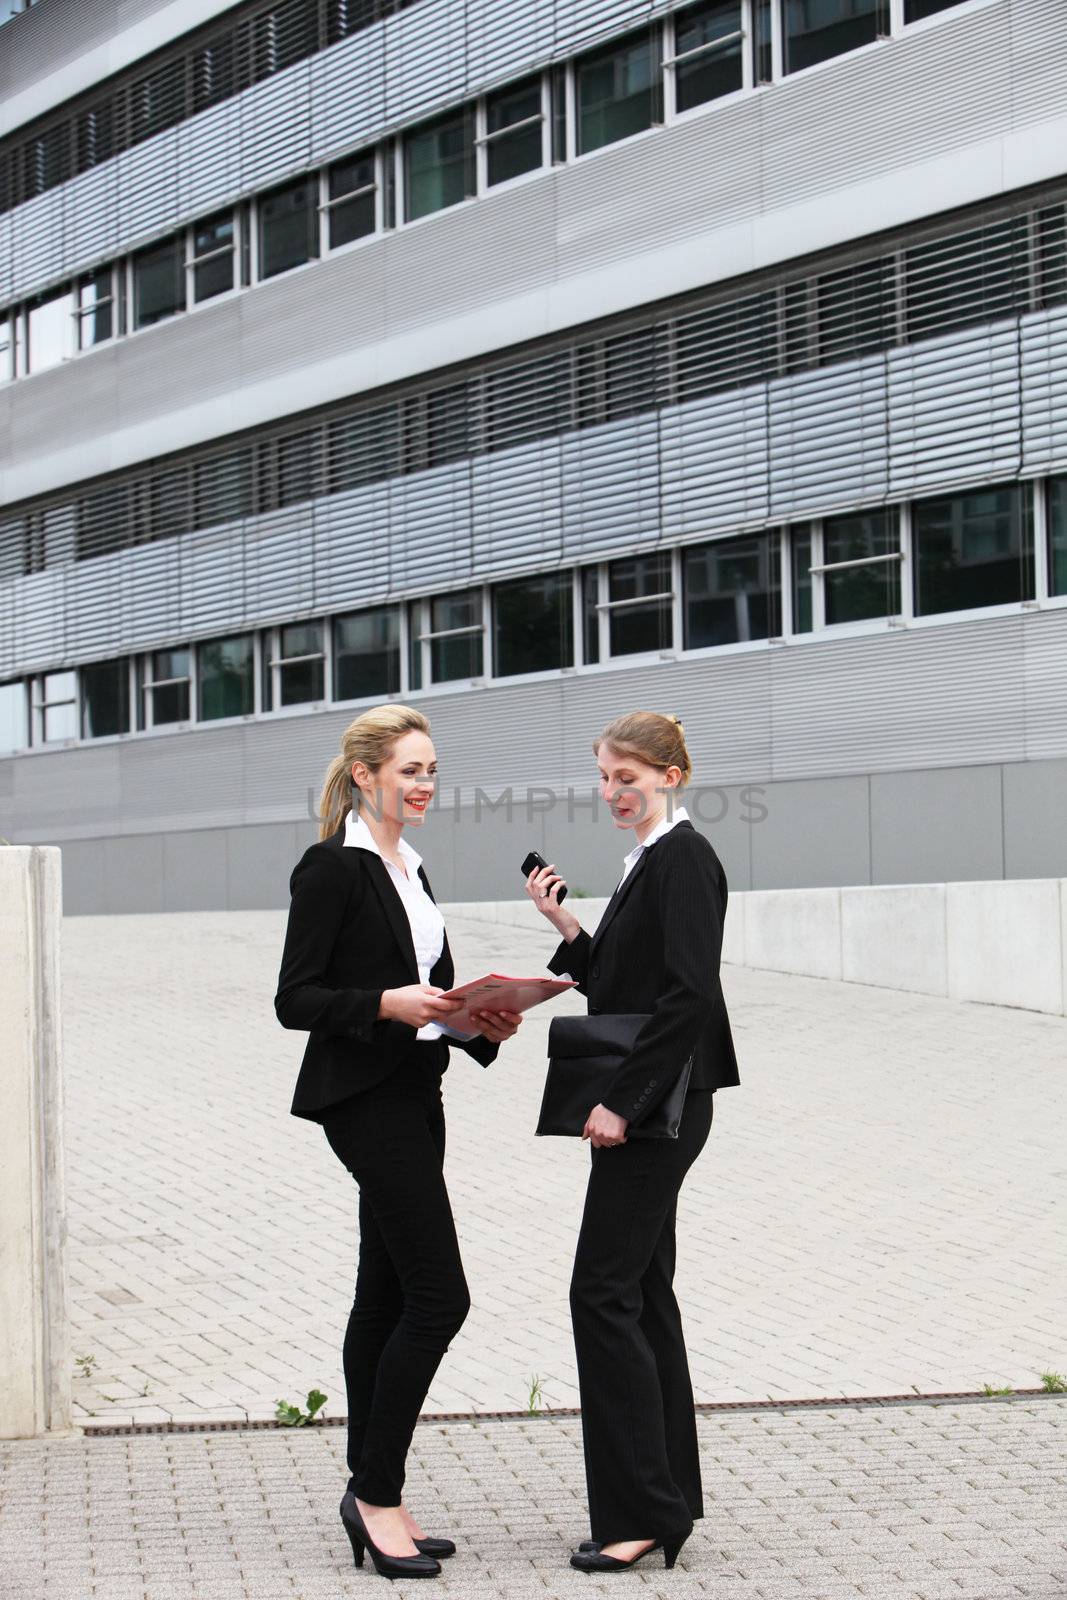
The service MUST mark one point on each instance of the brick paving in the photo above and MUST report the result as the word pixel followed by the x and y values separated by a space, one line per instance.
pixel 879 1207
pixel 929 1502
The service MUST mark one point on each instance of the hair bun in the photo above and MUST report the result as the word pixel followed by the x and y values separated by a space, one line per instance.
pixel 678 723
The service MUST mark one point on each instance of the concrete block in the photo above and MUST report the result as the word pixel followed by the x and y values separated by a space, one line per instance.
pixel 1005 943
pixel 733 937
pixel 787 931
pixel 895 937
pixel 35 1357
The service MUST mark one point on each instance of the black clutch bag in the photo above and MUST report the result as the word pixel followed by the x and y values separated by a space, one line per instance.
pixel 584 1055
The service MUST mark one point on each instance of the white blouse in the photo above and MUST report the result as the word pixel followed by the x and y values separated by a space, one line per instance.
pixel 424 918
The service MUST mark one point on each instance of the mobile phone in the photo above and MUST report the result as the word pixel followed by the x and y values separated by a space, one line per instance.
pixel 534 860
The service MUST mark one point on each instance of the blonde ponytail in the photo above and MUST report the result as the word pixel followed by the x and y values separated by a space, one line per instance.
pixel 370 739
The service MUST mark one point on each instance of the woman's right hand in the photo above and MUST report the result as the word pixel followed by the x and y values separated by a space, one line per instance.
pixel 416 1004
pixel 542 886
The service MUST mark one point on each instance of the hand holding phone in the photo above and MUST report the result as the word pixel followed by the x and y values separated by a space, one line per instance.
pixel 536 863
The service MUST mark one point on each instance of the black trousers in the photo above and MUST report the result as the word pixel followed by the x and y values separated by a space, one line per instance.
pixel 642 1463
pixel 411 1295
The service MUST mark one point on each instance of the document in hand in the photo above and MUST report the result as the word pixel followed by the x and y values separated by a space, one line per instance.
pixel 495 992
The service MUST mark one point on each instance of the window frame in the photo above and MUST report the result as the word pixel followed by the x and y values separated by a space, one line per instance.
pixel 607 607
pixel 655 30
pixel 199 646
pixel 40 706
pixel 483 138
pixel 193 261
pixel 144 718
pixel 672 60
pixel 327 205
pixel 273 662
pixel 421 637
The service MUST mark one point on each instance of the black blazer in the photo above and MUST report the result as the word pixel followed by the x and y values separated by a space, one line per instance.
pixel 657 949
pixel 349 938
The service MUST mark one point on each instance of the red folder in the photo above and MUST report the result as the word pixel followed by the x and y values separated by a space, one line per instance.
pixel 495 992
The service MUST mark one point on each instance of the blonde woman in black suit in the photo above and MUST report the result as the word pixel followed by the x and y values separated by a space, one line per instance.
pixel 655 951
pixel 365 962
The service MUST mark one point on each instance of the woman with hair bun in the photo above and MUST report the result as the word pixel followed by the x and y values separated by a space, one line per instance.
pixel 365 963
pixel 655 952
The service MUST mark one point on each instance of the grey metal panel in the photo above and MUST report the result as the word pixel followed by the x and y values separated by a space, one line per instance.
pixel 96 621
pixel 1044 682
pixel 211 150
pixel 82 868
pixel 280 563
pixel 954 409
pixel 1035 840
pixel 348 93
pixel 258 863
pixel 133 873
pixel 194 871
pixel 517 499
pixel 583 22
pixel 828 445
pixel 611 488
pixel 148 188
pixel 275 127
pixel 936 827
pixel 152 591
pixel 714 464
pixel 1039 58
pixel 92 222
pixel 40 609
pixel 352 547
pixel 426 57
pixel 212 596
pixel 501 40
pixel 430 528
pixel 815 835
pixel 1043 376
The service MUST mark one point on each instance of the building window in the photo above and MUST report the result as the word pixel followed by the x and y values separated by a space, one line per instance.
pixel 732 591
pixel 915 10
pixel 352 199
pixel 815 30
pixel 169 512
pixel 166 688
pixel 801 560
pixel 213 255
pixel 298 466
pixel 531 401
pixel 222 489
pixel 725 346
pixel 639 604
pixel 455 635
pixel 865 550
pixel 366 654
pixel 157 101
pixel 763 40
pixel 96 307
pixel 7 346
pixel 50 329
pixel 225 676
pixel 973 549
pixel 966 278
pixel 288 227
pixel 300 665
pixel 707 59
pixel 57 707
pixel 854 310
pixel 158 283
pixel 104 521
pixel 619 91
pixel 14 723
pixel 439 165
pixel 590 615
pixel 533 628
pixel 514 131
pixel 105 696
pixel 364 448
pixel 1057 536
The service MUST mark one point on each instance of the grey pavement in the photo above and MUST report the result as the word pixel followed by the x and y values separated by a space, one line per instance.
pixel 879 1209
pixel 930 1502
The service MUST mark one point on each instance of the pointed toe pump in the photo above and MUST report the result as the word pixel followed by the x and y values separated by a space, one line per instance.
pixel 589 1557
pixel 441 1549
pixel 420 1566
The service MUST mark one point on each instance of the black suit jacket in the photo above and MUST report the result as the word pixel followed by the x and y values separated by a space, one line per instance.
pixel 657 949
pixel 348 938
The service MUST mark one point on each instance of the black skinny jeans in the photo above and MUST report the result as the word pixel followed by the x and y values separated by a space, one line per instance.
pixel 411 1295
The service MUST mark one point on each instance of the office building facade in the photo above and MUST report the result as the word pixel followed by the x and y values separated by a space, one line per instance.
pixel 528 363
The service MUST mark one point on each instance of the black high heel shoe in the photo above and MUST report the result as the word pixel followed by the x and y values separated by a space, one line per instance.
pixel 593 1559
pixel 440 1548
pixel 420 1566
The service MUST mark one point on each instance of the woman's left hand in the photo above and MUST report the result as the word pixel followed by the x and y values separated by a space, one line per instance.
pixel 497 1025
pixel 604 1128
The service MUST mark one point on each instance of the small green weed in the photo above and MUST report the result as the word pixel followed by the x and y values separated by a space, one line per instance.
pixel 536 1397
pixel 86 1365
pixel 989 1389
pixel 1054 1383
pixel 291 1416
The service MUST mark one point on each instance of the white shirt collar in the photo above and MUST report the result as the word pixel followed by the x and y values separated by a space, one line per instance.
pixel 359 836
pixel 663 826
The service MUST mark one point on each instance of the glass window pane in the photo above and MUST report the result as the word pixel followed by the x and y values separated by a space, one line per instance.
pixel 214 238
pixel 531 401
pixel 713 72
pixel 226 678
pixel 366 654
pixel 297 459
pixel 967 278
pixel 815 30
pixel 973 549
pixel 51 329
pixel 288 227
pixel 96 305
pixel 915 10
pixel 158 283
pixel 640 627
pixel 802 559
pixel 510 154
pixel 460 657
pixel 170 701
pixel 732 591
pixel 222 489
pixel 60 710
pixel 301 681
pixel 352 218
pixel 532 624
pixel 105 698
pixel 619 92
pixel 168 502
pixel 364 448
pixel 861 592
pixel 1057 507
pixel 439 164
pixel 590 615
pixel 13 720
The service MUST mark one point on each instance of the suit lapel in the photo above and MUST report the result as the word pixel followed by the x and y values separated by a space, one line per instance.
pixel 612 907
pixel 393 907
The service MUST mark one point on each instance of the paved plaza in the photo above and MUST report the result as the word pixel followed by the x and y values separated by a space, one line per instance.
pixel 879 1208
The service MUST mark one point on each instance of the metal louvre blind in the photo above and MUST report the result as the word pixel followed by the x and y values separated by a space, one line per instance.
pixel 518 508
pixel 827 440
pixel 1043 377
pixel 954 410
pixel 430 528
pixel 714 464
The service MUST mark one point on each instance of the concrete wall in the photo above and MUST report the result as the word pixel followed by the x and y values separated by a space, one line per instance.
pixel 35 1364
pixel 998 943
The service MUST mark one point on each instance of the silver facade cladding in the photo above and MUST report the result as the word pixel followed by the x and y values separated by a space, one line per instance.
pixel 713 196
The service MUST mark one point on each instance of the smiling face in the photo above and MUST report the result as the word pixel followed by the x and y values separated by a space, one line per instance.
pixel 403 786
pixel 632 788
